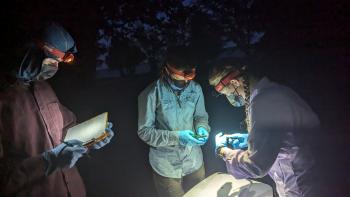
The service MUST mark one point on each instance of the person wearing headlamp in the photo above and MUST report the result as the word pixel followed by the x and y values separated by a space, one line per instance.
pixel 33 159
pixel 173 121
pixel 277 122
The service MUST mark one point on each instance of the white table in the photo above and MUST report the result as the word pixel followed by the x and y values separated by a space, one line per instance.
pixel 225 185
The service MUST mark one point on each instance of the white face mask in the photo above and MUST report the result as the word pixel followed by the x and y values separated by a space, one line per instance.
pixel 235 101
pixel 49 68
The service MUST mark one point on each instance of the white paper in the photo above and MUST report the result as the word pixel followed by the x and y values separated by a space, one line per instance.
pixel 89 130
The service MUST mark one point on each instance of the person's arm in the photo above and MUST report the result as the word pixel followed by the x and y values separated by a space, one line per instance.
pixel 271 119
pixel 147 102
pixel 17 173
pixel 69 118
pixel 200 114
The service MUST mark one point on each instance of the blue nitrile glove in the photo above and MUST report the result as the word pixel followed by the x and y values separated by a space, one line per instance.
pixel 64 155
pixel 186 138
pixel 105 141
pixel 203 133
pixel 235 141
pixel 238 140
pixel 220 141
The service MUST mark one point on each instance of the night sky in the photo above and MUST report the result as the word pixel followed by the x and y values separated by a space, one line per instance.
pixel 305 46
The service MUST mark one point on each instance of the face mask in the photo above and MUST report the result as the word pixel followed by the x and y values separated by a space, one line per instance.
pixel 176 84
pixel 49 68
pixel 235 101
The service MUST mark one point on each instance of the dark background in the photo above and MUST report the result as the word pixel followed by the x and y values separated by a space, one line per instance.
pixel 306 47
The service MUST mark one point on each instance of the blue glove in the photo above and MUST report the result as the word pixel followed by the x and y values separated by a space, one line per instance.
pixel 203 134
pixel 105 141
pixel 64 155
pixel 186 138
pixel 235 141
pixel 220 141
pixel 238 140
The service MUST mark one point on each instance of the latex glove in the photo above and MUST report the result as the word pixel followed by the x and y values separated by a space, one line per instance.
pixel 238 140
pixel 105 141
pixel 235 141
pixel 203 134
pixel 186 138
pixel 64 155
pixel 220 141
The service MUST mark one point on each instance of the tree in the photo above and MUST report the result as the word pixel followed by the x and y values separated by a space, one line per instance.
pixel 152 26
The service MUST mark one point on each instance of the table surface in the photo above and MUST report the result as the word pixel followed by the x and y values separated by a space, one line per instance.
pixel 225 185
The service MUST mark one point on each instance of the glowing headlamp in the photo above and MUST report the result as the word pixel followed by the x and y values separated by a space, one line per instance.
pixel 181 75
pixel 60 55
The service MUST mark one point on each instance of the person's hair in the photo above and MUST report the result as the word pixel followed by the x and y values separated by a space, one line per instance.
pixel 178 57
pixel 222 68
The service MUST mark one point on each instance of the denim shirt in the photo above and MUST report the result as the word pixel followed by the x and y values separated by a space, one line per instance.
pixel 162 114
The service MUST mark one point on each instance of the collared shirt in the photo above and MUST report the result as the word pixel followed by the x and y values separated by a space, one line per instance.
pixel 279 119
pixel 33 121
pixel 162 113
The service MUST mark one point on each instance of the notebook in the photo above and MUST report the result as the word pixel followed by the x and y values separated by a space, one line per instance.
pixel 90 131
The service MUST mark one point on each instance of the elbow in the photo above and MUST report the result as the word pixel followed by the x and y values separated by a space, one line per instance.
pixel 248 174
pixel 142 134
pixel 258 171
pixel 245 170
pixel 260 174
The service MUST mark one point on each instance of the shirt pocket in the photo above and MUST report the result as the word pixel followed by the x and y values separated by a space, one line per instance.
pixel 54 121
pixel 167 104
pixel 166 113
pixel 189 103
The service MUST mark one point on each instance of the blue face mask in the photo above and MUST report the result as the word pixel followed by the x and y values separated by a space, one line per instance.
pixel 235 101
pixel 30 70
pixel 177 86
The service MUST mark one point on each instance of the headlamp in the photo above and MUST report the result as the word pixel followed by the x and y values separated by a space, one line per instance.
pixel 60 55
pixel 181 75
pixel 226 80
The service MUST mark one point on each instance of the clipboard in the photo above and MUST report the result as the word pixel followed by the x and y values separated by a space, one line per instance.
pixel 90 131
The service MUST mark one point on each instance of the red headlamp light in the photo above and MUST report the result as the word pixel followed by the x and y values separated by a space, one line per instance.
pixel 226 80
pixel 62 56
pixel 186 75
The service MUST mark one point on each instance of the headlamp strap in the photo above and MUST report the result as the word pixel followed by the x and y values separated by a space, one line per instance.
pixel 226 80
pixel 174 71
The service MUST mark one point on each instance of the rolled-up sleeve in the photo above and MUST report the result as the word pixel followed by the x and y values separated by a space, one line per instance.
pixel 147 102
pixel 200 114
pixel 271 119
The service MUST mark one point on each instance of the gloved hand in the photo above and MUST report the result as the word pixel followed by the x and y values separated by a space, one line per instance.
pixel 203 134
pixel 64 155
pixel 105 141
pixel 220 141
pixel 186 138
pixel 236 141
